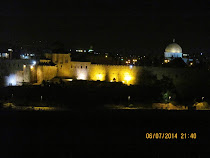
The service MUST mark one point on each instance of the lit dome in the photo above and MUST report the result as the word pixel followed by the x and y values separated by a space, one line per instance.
pixel 173 48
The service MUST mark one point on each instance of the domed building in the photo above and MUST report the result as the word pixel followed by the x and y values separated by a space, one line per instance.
pixel 173 50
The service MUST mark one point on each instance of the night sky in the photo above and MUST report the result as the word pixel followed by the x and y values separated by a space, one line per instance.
pixel 147 26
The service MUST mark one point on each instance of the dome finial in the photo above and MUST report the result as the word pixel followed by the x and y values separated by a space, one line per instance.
pixel 174 40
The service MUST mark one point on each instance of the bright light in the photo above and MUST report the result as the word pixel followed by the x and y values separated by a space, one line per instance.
pixel 166 61
pixel 24 66
pixel 106 56
pixel 11 80
pixel 90 50
pixel 127 77
pixel 191 64
pixel 131 66
pixel 34 62
pixel 32 67
pixel 6 55
pixel 79 50
pixel 99 76
pixel 81 77
pixel 9 50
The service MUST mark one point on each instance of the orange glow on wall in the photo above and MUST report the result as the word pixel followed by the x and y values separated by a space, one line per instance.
pixel 127 77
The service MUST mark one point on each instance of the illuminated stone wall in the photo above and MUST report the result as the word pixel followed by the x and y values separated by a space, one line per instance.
pixel 63 63
pixel 79 70
pixel 87 71
pixel 119 73
pixel 15 71
pixel 46 73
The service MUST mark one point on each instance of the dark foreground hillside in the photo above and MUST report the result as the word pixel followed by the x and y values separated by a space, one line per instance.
pixel 116 133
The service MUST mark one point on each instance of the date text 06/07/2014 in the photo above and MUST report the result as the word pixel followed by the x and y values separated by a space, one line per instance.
pixel 171 135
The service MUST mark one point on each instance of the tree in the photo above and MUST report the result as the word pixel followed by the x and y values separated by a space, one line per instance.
pixel 168 89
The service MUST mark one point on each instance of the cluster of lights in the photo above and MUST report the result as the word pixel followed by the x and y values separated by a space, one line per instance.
pixel 26 56
pixel 166 61
pixel 4 55
pixel 128 62
pixel 134 60
pixel 80 50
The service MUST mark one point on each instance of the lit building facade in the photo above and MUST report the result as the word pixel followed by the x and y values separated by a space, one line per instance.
pixel 19 71
pixel 172 51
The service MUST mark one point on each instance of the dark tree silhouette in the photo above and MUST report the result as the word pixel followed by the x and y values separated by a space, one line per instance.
pixel 176 62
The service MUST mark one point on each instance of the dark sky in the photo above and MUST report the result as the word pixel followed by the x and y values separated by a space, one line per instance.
pixel 149 25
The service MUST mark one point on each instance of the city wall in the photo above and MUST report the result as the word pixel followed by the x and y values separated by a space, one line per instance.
pixel 45 73
pixel 121 73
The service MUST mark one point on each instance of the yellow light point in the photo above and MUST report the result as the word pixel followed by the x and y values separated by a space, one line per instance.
pixel 166 61
pixel 106 56
pixel 24 66
pixel 191 64
pixel 127 77
pixel 99 76
pixel 32 67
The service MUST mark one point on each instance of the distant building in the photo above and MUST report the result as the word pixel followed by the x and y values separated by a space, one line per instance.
pixel 61 65
pixel 172 51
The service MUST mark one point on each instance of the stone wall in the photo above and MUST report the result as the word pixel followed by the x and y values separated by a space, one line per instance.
pixel 119 73
pixel 16 71
pixel 45 73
